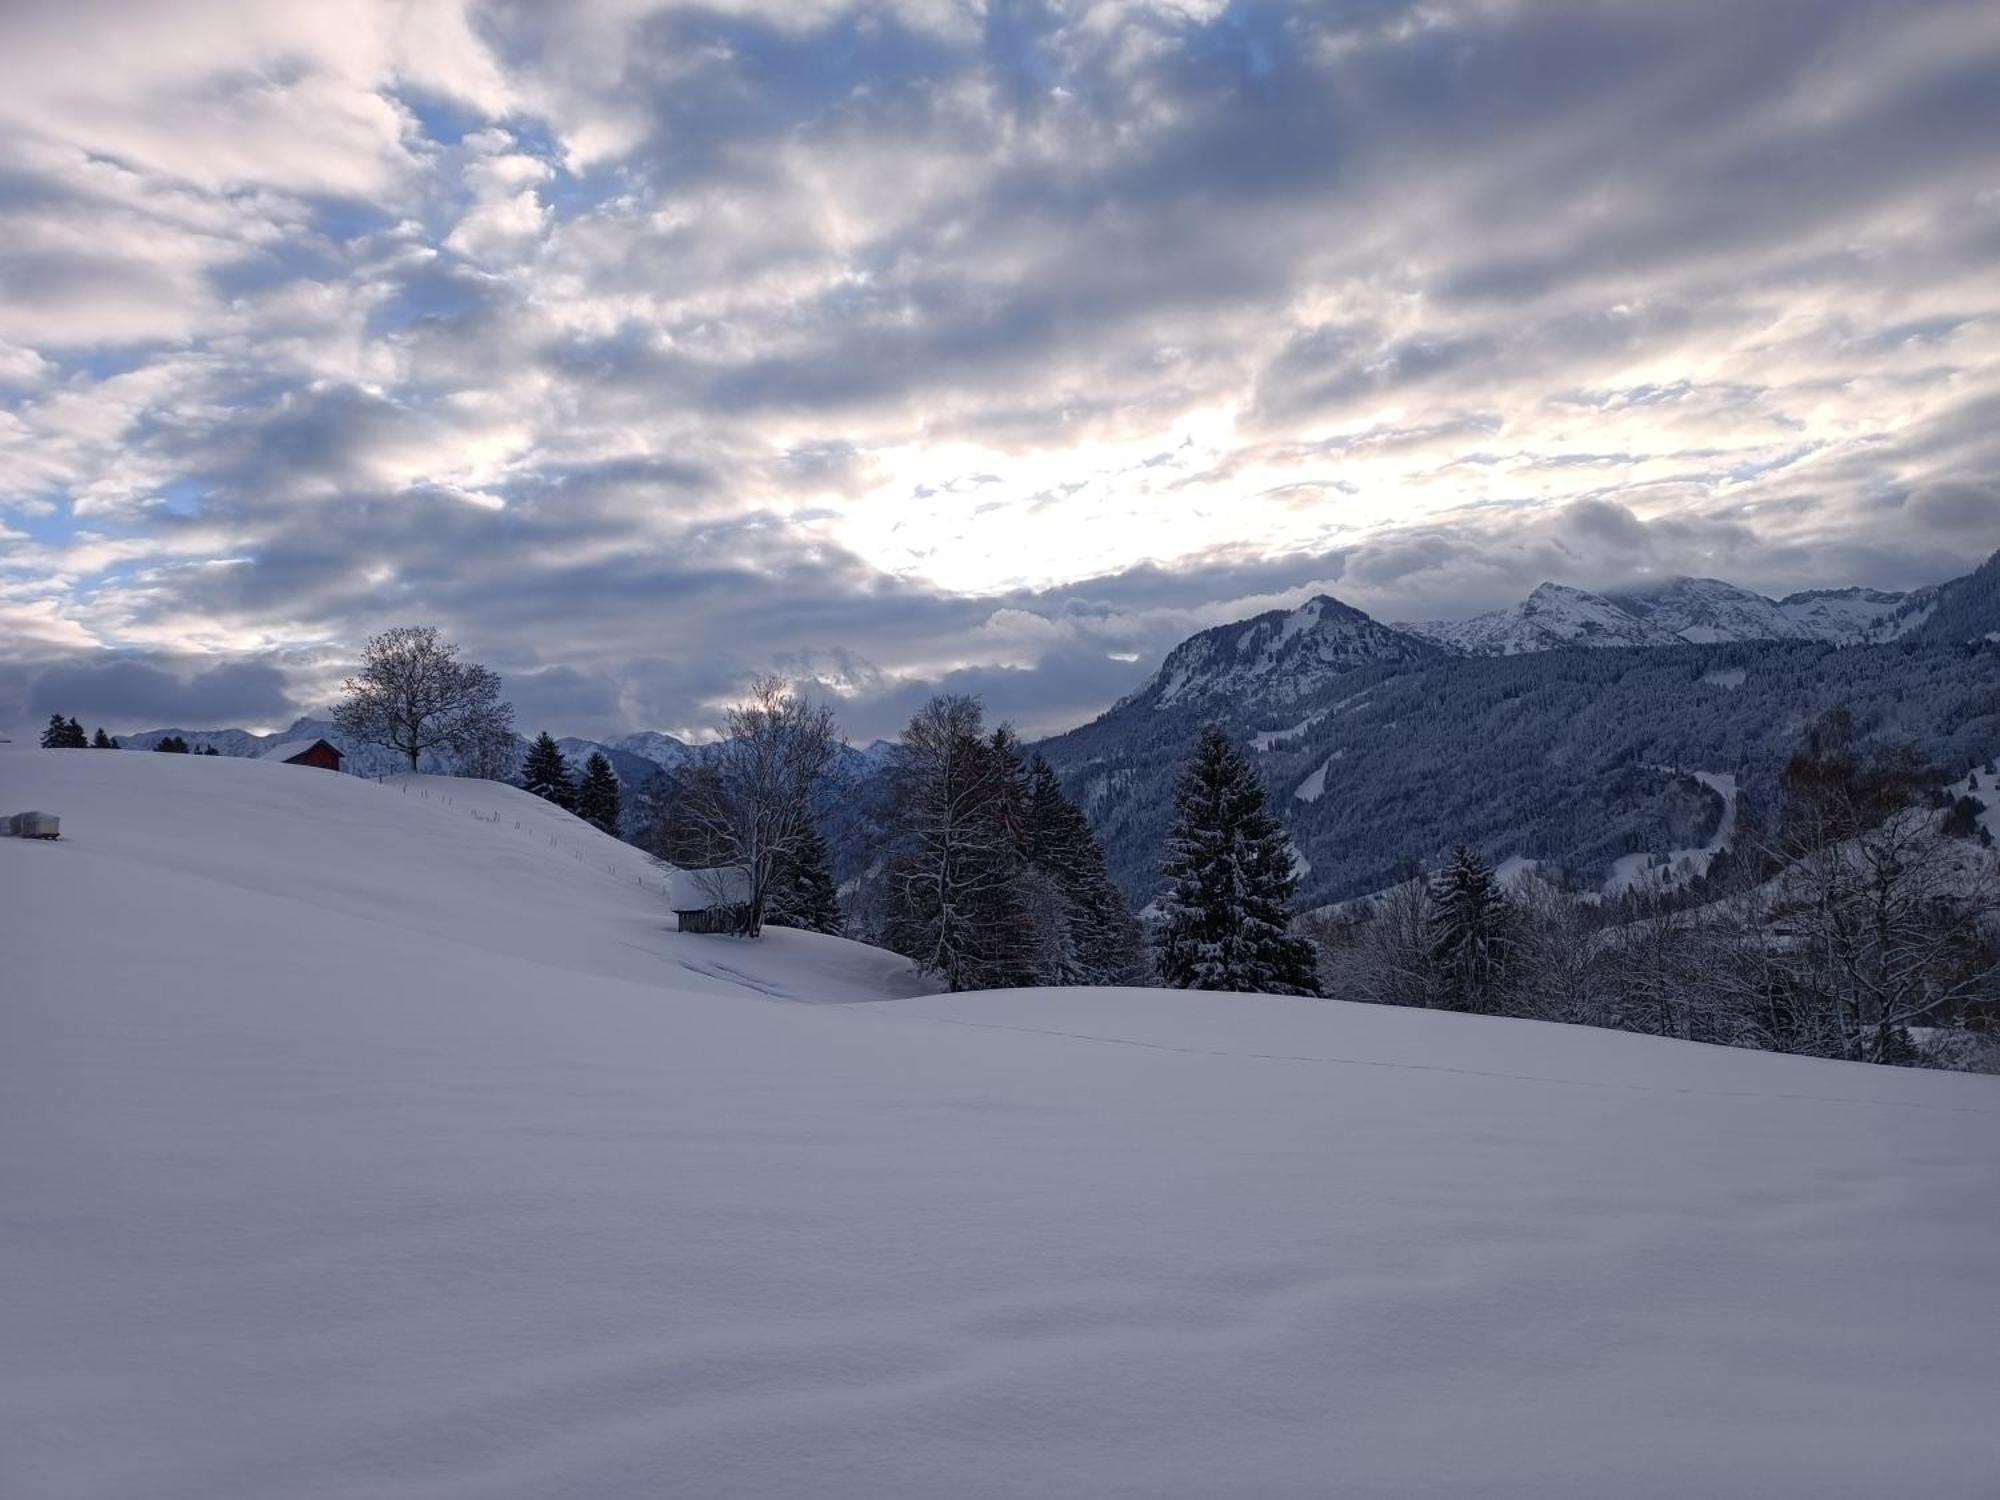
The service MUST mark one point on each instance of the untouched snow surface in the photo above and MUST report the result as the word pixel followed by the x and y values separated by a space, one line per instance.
pixel 353 1144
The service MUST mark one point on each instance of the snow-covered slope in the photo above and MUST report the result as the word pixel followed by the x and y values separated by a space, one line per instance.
pixel 1853 617
pixel 1280 657
pixel 356 1144
pixel 1553 616
pixel 1705 611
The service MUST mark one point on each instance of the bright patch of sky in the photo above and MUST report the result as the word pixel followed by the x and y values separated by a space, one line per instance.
pixel 643 345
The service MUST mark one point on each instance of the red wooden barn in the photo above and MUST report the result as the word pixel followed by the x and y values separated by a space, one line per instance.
pixel 305 753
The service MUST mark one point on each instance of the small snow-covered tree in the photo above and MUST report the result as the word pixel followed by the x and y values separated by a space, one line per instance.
pixel 414 695
pixel 545 773
pixel 597 794
pixel 1225 913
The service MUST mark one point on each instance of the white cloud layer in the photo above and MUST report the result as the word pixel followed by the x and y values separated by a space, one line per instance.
pixel 643 345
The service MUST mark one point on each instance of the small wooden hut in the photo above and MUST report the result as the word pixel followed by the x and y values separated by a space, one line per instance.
pixel 710 900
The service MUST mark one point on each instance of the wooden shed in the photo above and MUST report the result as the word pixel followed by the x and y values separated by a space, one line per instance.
pixel 710 900
pixel 305 753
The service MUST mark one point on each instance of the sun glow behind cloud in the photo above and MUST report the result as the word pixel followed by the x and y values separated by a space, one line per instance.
pixel 642 345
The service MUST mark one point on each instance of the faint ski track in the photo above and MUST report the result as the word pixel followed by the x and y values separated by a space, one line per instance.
pixel 1410 1067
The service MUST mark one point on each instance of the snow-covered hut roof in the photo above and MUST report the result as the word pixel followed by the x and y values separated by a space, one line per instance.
pixel 697 890
pixel 291 748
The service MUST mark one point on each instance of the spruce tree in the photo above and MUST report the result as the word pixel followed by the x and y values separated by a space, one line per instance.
pixel 1470 926
pixel 73 736
pixel 1090 937
pixel 103 741
pixel 1230 880
pixel 545 773
pixel 803 895
pixel 597 794
pixel 55 734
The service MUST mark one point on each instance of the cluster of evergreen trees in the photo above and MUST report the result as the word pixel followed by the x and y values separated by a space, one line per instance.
pixel 995 878
pixel 174 744
pixel 593 796
pixel 67 734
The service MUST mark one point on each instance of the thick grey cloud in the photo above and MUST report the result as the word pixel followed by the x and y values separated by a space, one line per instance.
pixel 900 343
pixel 130 694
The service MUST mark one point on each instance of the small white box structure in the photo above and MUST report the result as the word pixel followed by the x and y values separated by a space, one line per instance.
pixel 35 825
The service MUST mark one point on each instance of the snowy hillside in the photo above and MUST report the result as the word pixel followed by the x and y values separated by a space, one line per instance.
pixel 358 1141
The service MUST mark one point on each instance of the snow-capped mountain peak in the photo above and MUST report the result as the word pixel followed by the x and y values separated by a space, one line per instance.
pixel 1279 656
pixel 1707 610
pixel 1553 616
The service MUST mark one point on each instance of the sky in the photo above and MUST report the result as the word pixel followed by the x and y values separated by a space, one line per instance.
pixel 931 344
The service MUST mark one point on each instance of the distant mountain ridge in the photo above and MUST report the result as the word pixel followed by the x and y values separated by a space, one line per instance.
pixel 1567 729
pixel 1681 611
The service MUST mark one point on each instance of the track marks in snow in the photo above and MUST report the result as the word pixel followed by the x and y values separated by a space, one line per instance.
pixel 1413 1067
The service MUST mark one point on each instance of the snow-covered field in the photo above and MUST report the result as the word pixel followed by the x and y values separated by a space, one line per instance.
pixel 360 1142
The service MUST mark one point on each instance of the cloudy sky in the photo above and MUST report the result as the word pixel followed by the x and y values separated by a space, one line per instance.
pixel 996 345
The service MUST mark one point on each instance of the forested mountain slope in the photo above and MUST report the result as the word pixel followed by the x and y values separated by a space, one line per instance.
pixel 1558 755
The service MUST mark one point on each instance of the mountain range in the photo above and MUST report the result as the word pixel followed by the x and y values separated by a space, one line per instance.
pixel 1682 611
pixel 1383 744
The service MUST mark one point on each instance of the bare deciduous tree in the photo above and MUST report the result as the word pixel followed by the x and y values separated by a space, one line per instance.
pixel 953 900
pixel 748 805
pixel 413 694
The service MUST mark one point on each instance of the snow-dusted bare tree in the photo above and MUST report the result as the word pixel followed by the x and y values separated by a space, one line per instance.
pixel 1898 925
pixel 493 755
pixel 748 805
pixel 413 694
pixel 954 898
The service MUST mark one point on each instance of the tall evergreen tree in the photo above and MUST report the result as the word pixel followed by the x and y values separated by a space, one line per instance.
pixel 545 773
pixel 102 741
pixel 597 794
pixel 56 736
pixel 74 737
pixel 1090 936
pixel 1230 880
pixel 803 894
pixel 1471 933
